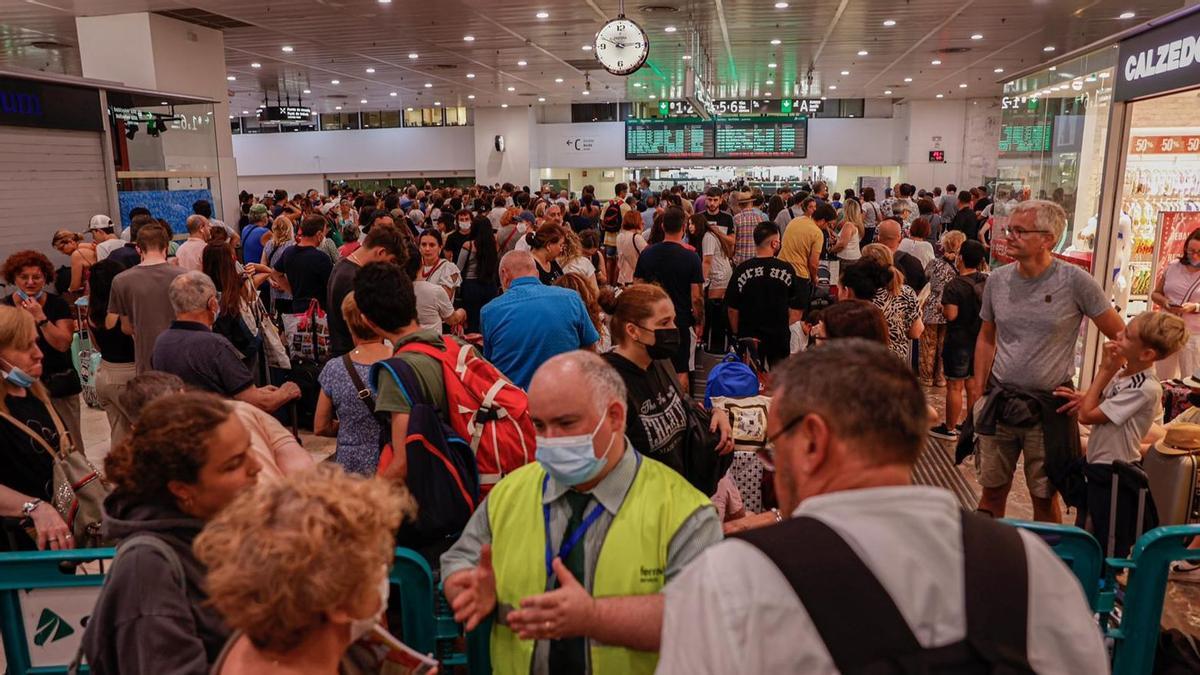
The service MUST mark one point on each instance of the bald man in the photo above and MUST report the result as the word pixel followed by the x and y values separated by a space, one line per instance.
pixel 622 526
pixel 190 252
pixel 530 322
pixel 889 234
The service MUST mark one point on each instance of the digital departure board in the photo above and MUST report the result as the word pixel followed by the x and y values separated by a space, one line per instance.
pixel 676 139
pixel 761 138
pixel 1029 138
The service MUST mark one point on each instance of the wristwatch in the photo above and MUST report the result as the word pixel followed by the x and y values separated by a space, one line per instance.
pixel 43 322
pixel 28 508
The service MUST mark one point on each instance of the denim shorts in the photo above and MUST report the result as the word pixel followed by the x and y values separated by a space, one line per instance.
pixel 958 361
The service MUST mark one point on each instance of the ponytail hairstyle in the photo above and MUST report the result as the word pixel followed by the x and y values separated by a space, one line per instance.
pixel 865 276
pixel 882 256
pixel 634 305
pixel 544 236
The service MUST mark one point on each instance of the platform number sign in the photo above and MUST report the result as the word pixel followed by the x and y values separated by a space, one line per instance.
pixel 621 46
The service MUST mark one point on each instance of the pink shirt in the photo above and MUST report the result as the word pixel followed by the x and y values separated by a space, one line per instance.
pixel 1178 282
pixel 190 254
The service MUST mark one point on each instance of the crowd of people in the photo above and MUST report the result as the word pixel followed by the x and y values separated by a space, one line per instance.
pixel 428 329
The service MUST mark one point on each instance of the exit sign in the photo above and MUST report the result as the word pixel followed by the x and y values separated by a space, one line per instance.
pixel 938 156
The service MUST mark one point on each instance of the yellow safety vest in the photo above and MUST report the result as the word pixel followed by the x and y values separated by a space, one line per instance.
pixel 632 561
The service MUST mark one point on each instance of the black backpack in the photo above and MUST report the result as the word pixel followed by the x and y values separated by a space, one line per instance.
pixel 862 628
pixel 610 220
pixel 442 475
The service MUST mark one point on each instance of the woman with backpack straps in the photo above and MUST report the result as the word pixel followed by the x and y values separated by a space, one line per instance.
pixel 434 267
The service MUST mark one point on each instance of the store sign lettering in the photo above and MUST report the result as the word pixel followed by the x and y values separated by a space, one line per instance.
pixel 1164 145
pixel 20 103
pixel 1160 60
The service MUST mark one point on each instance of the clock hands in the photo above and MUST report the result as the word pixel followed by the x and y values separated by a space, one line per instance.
pixel 618 44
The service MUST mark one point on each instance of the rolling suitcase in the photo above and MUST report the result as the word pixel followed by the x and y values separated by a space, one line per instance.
pixel 1173 475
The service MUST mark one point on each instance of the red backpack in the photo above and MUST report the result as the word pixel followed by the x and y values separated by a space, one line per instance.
pixel 486 409
pixel 610 220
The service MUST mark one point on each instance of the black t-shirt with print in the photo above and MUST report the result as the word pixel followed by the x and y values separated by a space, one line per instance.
pixel 721 219
pixel 762 290
pixel 655 417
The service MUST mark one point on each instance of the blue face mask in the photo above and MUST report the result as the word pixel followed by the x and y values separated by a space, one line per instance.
pixel 25 296
pixel 572 460
pixel 16 376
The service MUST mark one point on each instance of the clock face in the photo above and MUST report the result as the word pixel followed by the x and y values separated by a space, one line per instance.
pixel 621 46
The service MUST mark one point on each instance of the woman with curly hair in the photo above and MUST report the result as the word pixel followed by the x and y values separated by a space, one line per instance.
pixel 591 302
pixel 28 272
pixel 187 458
pixel 574 260
pixel 299 569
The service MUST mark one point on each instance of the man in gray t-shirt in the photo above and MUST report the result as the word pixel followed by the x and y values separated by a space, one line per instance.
pixel 1032 310
pixel 139 295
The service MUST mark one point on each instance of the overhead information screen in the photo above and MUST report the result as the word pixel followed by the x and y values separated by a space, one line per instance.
pixel 677 139
pixel 750 139
pixel 1026 138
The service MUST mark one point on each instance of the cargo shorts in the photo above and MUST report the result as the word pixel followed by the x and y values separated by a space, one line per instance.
pixel 996 458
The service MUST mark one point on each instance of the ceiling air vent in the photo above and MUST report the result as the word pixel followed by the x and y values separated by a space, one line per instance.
pixel 658 9
pixel 953 50
pixel 202 17
pixel 50 44
pixel 583 64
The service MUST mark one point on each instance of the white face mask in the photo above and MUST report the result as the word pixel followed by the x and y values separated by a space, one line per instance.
pixel 522 227
pixel 361 627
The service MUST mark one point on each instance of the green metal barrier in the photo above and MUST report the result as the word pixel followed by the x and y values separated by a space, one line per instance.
pixel 1081 552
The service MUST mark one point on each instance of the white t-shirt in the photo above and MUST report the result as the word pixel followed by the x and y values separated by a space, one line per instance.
pixel 732 611
pixel 495 215
pixel 921 250
pixel 720 270
pixel 1131 405
pixel 581 266
pixel 433 305
pixel 104 248
pixel 443 273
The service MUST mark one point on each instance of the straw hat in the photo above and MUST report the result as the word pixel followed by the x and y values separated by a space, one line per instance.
pixel 1181 439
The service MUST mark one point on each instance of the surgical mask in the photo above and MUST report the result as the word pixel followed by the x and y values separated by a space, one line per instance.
pixel 25 296
pixel 666 342
pixel 17 377
pixel 360 627
pixel 522 227
pixel 464 226
pixel 572 460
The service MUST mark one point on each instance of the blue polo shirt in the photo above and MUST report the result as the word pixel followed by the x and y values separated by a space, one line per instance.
pixel 530 323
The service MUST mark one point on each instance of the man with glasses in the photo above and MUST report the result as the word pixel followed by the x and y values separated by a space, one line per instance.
pixel 1026 347
pixel 847 422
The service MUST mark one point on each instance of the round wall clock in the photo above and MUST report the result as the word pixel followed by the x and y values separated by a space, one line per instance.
pixel 621 46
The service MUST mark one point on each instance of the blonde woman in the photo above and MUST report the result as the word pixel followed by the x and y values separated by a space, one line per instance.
pixel 939 271
pixel 82 254
pixel 282 237
pixel 897 301
pixel 851 233
pixel 573 261
pixel 333 532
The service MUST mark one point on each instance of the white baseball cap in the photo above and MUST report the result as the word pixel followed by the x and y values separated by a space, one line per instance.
pixel 100 222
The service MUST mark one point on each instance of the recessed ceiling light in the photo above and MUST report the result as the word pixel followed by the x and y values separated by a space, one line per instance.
pixel 823 98
pixel 512 88
pixel 1103 76
pixel 977 36
pixel 335 82
pixel 470 76
pixel 256 64
pixel 543 15
pixel 772 65
pixel 471 96
pixel 670 29
pixel 845 72
pixel 781 5
pixel 940 96
pixel 776 41
pixel 308 91
pixel 409 109
pixel 468 38
pixel 503 105
pixel 414 55
pixel 1090 78
pixel 887 92
pixel 935 62
pixel 558 80
pixel 1048 48
pixel 832 87
pixel 231 78
pixel 687 57
pixel 637 85
pixel 385 2
pixel 522 63
pixel 586 92
pixel 1127 15
pixel 231 117
pixel 370 70
pixel 541 99
pixel 393 94
pixel 653 96
pixel 287 49
pixel 862 52
pixel 429 85
pixel 437 102
pixel 889 22
pixel 962 85
pixel 998 70
pixel 337 107
pixel 586 48
pixel 770 82
pixel 362 100
pixel 1053 68
pixel 768 94
pixel 908 79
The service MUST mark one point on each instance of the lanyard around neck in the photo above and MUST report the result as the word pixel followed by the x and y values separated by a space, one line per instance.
pixel 568 544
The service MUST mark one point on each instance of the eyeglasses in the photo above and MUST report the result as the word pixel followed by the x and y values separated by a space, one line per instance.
pixel 1014 232
pixel 766 454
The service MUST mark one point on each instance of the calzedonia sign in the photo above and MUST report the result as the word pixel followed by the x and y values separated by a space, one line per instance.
pixel 1159 61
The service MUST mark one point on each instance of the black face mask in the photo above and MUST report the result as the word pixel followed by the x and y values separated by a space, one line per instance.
pixel 1194 399
pixel 666 343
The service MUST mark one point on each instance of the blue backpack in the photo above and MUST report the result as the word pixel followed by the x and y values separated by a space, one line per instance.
pixel 731 377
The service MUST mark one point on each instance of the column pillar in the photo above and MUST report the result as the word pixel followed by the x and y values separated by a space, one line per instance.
pixel 518 126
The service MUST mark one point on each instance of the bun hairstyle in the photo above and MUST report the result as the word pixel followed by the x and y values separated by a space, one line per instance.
pixel 635 304
pixel 865 276
pixel 882 255
pixel 545 235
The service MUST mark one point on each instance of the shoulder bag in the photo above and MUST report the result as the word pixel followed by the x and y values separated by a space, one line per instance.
pixel 79 488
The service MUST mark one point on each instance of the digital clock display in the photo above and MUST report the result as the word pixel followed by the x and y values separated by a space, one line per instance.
pixel 937 156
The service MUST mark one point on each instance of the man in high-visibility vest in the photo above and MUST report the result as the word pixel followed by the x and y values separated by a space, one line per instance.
pixel 569 555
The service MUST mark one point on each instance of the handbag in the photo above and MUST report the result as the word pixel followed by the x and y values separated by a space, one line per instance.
pixel 307 334
pixel 702 466
pixel 79 488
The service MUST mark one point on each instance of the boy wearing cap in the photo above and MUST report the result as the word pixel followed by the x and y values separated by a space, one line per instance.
pixel 1123 402
pixel 103 234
